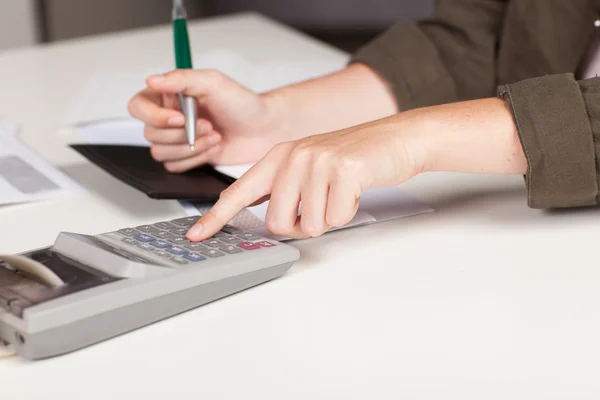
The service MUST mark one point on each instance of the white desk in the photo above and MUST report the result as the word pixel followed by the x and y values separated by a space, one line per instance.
pixel 483 299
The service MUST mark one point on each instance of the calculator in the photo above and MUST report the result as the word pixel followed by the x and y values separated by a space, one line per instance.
pixel 88 288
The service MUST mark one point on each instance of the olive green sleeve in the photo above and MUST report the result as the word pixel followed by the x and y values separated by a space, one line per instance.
pixel 558 122
pixel 450 57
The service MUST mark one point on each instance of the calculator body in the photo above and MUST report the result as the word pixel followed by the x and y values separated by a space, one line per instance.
pixel 120 281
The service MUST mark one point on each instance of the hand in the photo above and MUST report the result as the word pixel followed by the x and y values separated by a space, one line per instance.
pixel 235 125
pixel 325 173
pixel 328 172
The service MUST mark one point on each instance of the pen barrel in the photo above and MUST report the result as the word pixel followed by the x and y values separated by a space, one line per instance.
pixel 183 56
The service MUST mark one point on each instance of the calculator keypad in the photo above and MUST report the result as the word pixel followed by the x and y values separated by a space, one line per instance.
pixel 167 240
pixel 212 253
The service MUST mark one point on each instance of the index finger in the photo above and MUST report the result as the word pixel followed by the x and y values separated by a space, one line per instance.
pixel 254 185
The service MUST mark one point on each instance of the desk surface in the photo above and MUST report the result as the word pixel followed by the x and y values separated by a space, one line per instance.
pixel 484 298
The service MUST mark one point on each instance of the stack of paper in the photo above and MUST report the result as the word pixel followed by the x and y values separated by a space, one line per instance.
pixel 24 176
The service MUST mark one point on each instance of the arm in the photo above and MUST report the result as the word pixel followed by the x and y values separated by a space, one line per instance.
pixel 445 59
pixel 532 50
pixel 352 96
pixel 328 172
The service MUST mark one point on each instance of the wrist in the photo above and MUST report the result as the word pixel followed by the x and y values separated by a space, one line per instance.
pixel 473 137
pixel 279 114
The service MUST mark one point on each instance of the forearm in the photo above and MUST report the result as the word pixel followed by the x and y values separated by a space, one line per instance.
pixel 474 137
pixel 350 97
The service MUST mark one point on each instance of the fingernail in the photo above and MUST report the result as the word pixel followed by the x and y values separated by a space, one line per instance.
pixel 195 231
pixel 212 139
pixel 176 120
pixel 157 78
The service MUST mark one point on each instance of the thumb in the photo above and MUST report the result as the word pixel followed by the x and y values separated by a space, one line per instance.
pixel 197 83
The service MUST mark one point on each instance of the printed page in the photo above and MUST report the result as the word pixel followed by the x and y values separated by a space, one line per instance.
pixel 25 176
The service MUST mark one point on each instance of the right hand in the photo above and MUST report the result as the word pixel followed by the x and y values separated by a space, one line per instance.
pixel 235 125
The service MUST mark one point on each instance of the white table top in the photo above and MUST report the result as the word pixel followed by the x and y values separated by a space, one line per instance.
pixel 483 298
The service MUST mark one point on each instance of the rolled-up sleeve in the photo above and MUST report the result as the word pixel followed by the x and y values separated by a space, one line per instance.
pixel 558 122
pixel 449 57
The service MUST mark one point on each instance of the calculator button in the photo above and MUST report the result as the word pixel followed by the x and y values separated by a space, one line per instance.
pixel 231 249
pixel 144 238
pixel 179 260
pixel 161 244
pixel 146 228
pixel 189 221
pixel 212 253
pixel 164 225
pixel 265 244
pixel 213 243
pixel 179 240
pixel 129 232
pixel 177 250
pixel 146 246
pixel 129 240
pixel 248 246
pixel 163 234
pixel 194 257
pixel 231 230
pixel 162 253
pixel 195 246
pixel 178 230
pixel 230 239
pixel 248 236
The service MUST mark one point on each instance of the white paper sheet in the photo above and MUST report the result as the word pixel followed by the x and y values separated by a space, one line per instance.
pixel 25 176
pixel 106 96
pixel 121 131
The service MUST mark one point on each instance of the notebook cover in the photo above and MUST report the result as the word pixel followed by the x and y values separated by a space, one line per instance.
pixel 135 166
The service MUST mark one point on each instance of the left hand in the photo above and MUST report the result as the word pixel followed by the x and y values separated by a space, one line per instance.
pixel 326 173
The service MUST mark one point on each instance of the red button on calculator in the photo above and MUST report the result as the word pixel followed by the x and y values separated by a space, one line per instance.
pixel 248 246
pixel 265 244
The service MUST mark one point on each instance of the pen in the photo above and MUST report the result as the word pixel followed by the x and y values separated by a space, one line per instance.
pixel 183 60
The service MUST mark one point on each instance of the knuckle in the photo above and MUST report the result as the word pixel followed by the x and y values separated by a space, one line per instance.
pixel 216 77
pixel 178 74
pixel 337 221
pixel 346 167
pixel 279 149
pixel 148 133
pixel 232 193
pixel 276 226
pixel 156 153
pixel 174 168
pixel 300 154
pixel 131 105
pixel 313 230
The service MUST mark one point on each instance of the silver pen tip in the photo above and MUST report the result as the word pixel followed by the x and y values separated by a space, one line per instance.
pixel 192 147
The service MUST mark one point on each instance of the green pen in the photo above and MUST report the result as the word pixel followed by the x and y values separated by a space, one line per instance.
pixel 183 60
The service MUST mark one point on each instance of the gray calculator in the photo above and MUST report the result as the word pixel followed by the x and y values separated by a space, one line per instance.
pixel 84 289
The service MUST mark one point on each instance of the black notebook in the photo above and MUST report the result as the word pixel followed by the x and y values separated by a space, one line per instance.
pixel 135 166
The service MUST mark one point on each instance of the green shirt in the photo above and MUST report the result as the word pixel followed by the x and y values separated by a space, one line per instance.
pixel 525 51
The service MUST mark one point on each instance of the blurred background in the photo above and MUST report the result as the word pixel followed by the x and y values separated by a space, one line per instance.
pixel 346 24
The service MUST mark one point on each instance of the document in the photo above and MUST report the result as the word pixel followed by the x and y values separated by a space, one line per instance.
pixel 376 205
pixel 106 96
pixel 25 176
